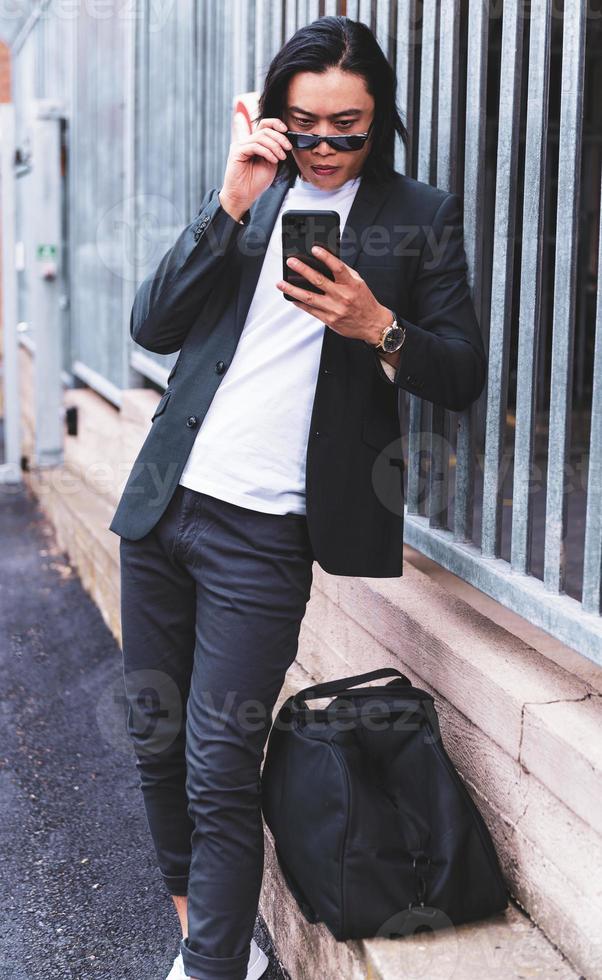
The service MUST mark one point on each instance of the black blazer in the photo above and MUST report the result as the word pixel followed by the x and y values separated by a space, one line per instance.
pixel 405 238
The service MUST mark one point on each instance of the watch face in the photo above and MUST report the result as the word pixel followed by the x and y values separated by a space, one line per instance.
pixel 393 339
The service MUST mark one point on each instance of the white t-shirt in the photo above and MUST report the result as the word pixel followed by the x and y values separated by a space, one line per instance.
pixel 251 447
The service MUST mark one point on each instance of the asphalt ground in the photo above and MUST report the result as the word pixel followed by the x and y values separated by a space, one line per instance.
pixel 80 895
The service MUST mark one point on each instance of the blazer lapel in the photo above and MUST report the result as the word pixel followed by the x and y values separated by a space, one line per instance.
pixel 369 199
pixel 371 196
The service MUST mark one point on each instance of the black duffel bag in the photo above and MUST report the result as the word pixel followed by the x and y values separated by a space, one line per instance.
pixel 375 832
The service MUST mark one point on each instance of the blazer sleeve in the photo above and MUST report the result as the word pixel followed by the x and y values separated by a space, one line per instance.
pixel 168 301
pixel 443 358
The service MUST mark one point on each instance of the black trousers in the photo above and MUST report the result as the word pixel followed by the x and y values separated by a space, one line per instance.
pixel 212 600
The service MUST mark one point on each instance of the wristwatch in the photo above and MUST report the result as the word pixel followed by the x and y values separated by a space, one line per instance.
pixel 391 339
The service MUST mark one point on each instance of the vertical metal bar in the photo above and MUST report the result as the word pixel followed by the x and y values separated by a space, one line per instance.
pixel 447 121
pixel 275 29
pixel 239 47
pixel 250 22
pixel 45 216
pixel 81 184
pixel 217 87
pixel 162 100
pixel 383 34
pixel 427 90
pixel 10 469
pixel 531 277
pixel 130 26
pixel 565 283
pixel 222 71
pixel 313 11
pixel 248 40
pixel 365 12
pixel 582 322
pixel 193 97
pixel 406 43
pixel 502 275
pixel 205 86
pixel 205 10
pixel 201 68
pixel 545 300
pixel 73 175
pixel 419 420
pixel 301 13
pixel 447 116
pixel 260 53
pixel 188 113
pixel 178 108
pixel 218 90
pixel 591 595
pixel 474 219
pixel 225 107
pixel 290 18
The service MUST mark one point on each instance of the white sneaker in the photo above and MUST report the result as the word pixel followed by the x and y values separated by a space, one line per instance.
pixel 258 962
pixel 177 970
pixel 256 967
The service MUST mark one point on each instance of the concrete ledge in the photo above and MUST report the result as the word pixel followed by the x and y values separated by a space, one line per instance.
pixel 562 741
pixel 80 520
pixel 506 946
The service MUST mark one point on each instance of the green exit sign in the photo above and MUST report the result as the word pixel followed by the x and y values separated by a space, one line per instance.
pixel 46 251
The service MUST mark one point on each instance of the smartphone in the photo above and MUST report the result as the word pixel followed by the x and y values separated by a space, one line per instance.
pixel 301 230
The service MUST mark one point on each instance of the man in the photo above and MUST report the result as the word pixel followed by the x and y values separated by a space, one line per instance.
pixel 263 449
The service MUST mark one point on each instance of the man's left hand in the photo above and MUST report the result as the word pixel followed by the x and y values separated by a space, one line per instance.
pixel 348 305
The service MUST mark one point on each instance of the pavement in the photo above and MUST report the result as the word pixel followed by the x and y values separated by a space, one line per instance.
pixel 80 894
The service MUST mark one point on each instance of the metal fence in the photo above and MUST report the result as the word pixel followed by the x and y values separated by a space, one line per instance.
pixel 500 103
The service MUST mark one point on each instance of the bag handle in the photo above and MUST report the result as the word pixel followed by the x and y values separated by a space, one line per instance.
pixel 341 685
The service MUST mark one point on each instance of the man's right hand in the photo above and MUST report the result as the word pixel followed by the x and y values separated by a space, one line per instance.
pixel 251 166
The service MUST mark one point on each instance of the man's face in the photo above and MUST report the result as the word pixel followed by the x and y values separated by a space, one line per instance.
pixel 329 104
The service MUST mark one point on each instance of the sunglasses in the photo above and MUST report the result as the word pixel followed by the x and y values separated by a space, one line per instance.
pixel 346 141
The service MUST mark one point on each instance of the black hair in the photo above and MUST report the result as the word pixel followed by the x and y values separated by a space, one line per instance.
pixel 339 42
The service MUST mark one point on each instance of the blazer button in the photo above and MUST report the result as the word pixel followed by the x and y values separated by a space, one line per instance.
pixel 220 367
pixel 191 421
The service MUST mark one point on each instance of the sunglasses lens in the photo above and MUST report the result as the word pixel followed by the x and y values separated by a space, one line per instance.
pixel 301 141
pixel 306 141
pixel 352 142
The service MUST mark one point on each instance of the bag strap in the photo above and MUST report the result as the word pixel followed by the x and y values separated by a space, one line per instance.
pixel 342 684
